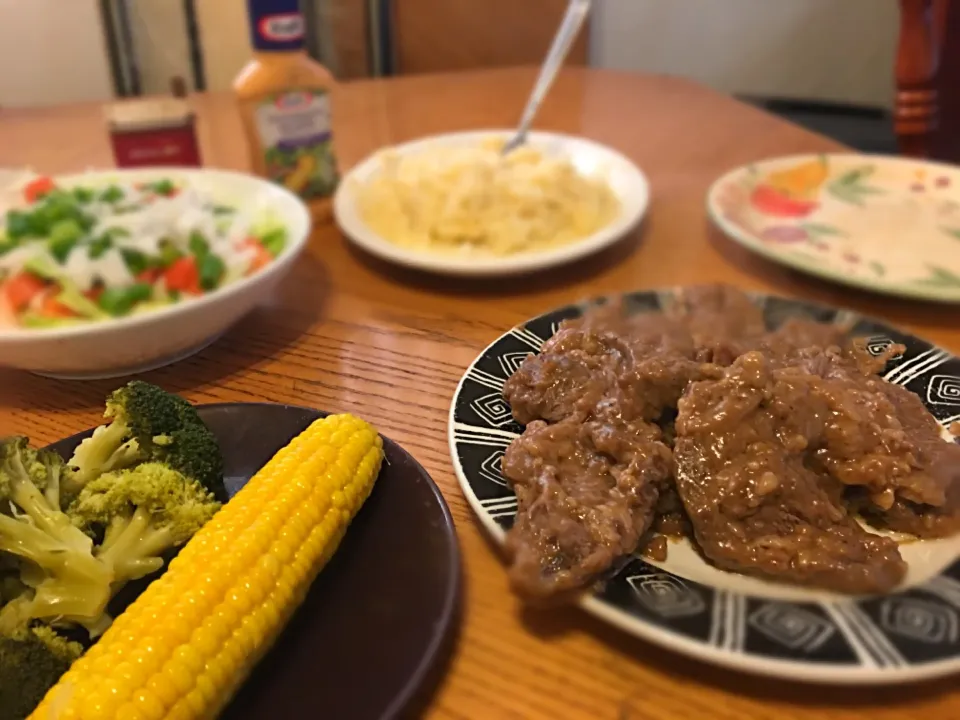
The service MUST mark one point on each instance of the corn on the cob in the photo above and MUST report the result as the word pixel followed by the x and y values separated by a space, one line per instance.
pixel 186 644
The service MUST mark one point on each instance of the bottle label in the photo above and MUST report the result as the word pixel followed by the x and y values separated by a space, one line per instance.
pixel 276 24
pixel 295 134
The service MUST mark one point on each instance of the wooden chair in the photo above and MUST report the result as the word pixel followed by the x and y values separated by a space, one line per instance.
pixel 927 110
pixel 446 35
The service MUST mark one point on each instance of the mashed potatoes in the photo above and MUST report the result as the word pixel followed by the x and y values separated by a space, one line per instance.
pixel 473 199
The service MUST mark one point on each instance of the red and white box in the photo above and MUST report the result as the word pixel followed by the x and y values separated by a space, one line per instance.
pixel 153 132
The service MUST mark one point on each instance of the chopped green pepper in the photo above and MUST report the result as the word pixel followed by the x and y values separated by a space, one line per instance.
pixel 198 244
pixel 169 253
pixel 162 187
pixel 68 229
pixel 64 236
pixel 275 241
pixel 111 194
pixel 212 269
pixel 135 261
pixel 99 246
pixel 19 225
pixel 83 195
pixel 119 301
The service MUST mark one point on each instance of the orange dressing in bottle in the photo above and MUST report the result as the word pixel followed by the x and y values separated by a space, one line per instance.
pixel 284 98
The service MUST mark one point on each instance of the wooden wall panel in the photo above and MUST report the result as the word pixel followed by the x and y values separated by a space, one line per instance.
pixel 443 35
pixel 348 23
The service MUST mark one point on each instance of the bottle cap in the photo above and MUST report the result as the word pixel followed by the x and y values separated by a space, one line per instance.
pixel 276 25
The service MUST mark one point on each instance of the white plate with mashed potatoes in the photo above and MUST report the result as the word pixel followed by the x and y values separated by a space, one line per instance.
pixel 453 204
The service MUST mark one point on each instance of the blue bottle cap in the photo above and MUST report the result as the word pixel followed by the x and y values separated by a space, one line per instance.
pixel 276 24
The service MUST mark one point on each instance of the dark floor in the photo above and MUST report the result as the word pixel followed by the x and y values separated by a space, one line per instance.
pixel 864 129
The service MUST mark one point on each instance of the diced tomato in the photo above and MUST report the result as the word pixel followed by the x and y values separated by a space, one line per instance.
pixel 53 308
pixel 36 189
pixel 8 318
pixel 150 275
pixel 262 256
pixel 21 289
pixel 184 276
pixel 94 293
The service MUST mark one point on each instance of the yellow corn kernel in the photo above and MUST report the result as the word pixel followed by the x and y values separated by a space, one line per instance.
pixel 231 588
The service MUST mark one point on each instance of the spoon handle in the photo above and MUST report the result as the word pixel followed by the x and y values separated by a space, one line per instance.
pixel 576 13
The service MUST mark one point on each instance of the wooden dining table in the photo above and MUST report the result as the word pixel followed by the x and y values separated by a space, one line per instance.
pixel 348 333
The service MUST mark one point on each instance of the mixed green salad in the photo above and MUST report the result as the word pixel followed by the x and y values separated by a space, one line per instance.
pixel 83 253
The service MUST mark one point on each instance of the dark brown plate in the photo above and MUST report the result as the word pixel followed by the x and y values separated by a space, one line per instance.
pixel 376 620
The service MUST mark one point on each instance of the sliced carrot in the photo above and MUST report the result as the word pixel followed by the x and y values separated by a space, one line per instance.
pixel 53 308
pixel 36 189
pixel 184 276
pixel 21 288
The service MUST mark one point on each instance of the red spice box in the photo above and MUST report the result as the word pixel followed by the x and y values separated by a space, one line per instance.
pixel 153 132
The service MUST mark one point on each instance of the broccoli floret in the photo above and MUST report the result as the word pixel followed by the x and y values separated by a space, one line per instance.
pixel 66 580
pixel 138 412
pixel 148 424
pixel 32 660
pixel 142 513
pixel 193 450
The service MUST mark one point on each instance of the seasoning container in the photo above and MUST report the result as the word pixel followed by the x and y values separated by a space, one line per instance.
pixel 153 132
pixel 284 98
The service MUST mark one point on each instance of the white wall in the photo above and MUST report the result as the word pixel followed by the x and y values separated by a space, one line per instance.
pixel 159 30
pixel 840 50
pixel 225 36
pixel 160 37
pixel 52 51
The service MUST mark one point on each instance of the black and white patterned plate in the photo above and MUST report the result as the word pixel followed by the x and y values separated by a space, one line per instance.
pixel 725 618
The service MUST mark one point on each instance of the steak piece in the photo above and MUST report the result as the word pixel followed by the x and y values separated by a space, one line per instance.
pixel 923 521
pixel 929 507
pixel 722 321
pixel 605 365
pixel 586 494
pixel 755 505
pixel 875 434
pixel 798 334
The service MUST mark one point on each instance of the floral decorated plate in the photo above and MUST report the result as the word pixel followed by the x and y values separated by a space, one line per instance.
pixel 887 224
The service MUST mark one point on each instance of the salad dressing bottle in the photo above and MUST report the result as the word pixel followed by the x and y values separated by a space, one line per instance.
pixel 284 98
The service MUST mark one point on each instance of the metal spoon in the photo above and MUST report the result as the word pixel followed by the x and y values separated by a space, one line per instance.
pixel 576 13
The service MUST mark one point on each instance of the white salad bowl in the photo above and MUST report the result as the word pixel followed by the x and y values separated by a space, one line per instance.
pixel 626 180
pixel 124 346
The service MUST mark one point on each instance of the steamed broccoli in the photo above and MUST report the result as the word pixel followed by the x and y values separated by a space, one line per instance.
pixel 32 660
pixel 10 584
pixel 65 580
pixel 148 424
pixel 141 513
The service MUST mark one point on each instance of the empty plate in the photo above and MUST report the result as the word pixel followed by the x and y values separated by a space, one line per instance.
pixel 887 224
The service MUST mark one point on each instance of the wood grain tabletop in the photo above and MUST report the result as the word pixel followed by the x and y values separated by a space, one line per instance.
pixel 346 333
